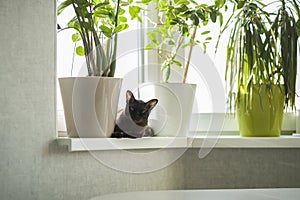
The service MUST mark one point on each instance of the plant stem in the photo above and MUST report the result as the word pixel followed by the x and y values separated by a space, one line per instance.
pixel 110 71
pixel 190 54
pixel 97 65
pixel 114 55
pixel 84 34
pixel 179 43
pixel 73 57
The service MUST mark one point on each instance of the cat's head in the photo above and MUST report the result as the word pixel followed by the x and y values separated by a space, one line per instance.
pixel 139 110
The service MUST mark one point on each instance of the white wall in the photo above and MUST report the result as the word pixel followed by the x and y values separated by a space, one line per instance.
pixel 32 166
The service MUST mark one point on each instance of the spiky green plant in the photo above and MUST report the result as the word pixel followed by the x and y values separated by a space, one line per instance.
pixel 286 29
pixel 262 48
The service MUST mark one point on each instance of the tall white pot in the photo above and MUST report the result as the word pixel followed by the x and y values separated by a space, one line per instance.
pixel 172 115
pixel 90 105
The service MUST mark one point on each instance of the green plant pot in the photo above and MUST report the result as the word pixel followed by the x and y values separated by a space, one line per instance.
pixel 260 113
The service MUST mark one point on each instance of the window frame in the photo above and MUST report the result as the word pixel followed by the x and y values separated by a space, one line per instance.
pixel 200 121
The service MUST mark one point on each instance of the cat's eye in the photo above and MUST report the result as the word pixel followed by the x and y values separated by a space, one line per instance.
pixel 131 109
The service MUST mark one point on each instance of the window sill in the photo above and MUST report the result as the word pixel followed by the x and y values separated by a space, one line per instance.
pixel 94 144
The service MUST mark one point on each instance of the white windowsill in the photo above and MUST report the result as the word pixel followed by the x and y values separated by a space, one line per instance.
pixel 93 144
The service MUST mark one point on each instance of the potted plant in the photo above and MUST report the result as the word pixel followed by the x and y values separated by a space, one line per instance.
pixel 175 30
pixel 262 64
pixel 90 103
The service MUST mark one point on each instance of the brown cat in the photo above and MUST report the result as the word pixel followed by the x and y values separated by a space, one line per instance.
pixel 132 122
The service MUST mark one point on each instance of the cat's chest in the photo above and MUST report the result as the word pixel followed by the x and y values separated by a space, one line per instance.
pixel 127 124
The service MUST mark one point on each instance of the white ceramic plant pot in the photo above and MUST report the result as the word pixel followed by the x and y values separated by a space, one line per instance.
pixel 90 105
pixel 172 115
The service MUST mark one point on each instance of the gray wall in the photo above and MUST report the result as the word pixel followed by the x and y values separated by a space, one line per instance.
pixel 242 168
pixel 32 166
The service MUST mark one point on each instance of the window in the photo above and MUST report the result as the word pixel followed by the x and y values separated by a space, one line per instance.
pixel 137 66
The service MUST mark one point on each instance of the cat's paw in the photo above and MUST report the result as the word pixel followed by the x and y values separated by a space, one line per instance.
pixel 117 135
pixel 149 132
pixel 124 135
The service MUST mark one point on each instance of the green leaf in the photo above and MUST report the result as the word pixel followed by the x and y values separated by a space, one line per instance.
pixel 101 5
pixel 166 68
pixel 101 12
pixel 240 4
pixel 146 1
pixel 149 47
pixel 181 9
pixel 220 18
pixel 204 47
pixel 205 32
pixel 139 19
pixel 122 19
pixel 204 5
pixel 83 4
pixel 201 14
pixel 219 3
pixel 123 4
pixel 73 23
pixel 253 6
pixel 165 65
pixel 195 20
pixel 185 31
pixel 177 63
pixel 152 35
pixel 173 21
pixel 76 37
pixel 121 11
pixel 208 38
pixel 134 11
pixel 298 27
pixel 186 45
pixel 80 51
pixel 121 27
pixel 182 2
pixel 106 31
pixel 213 16
pixel 62 6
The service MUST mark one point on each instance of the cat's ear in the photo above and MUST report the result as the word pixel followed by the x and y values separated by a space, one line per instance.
pixel 151 104
pixel 129 97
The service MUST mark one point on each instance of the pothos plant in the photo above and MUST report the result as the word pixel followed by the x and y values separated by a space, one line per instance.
pixel 97 24
pixel 262 48
pixel 177 26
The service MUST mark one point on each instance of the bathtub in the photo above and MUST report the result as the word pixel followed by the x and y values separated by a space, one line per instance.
pixel 226 194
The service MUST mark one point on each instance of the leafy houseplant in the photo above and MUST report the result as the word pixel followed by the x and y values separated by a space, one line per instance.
pixel 262 64
pixel 176 29
pixel 94 22
pixel 180 19
pixel 90 103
